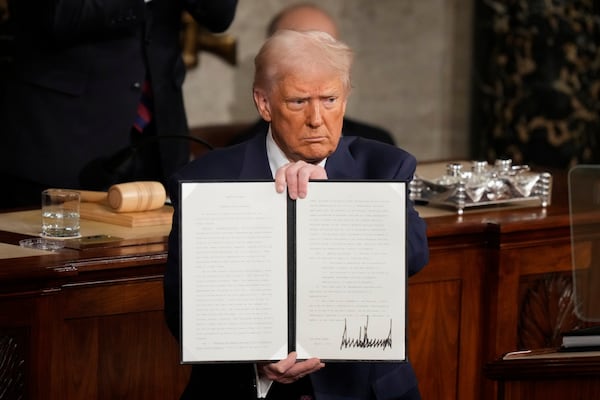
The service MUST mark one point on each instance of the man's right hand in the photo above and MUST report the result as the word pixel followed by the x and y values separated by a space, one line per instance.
pixel 296 176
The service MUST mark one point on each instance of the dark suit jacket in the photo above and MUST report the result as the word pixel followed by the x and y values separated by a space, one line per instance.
pixel 355 158
pixel 351 127
pixel 78 71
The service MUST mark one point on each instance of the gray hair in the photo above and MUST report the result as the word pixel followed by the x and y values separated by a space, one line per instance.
pixel 288 51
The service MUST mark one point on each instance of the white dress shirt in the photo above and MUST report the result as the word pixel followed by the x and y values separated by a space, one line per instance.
pixel 277 159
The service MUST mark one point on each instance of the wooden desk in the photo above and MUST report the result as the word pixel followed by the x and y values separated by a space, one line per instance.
pixel 553 376
pixel 86 325
pixel 498 280
pixel 89 324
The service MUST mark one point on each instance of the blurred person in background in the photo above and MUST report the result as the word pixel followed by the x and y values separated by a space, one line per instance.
pixel 92 89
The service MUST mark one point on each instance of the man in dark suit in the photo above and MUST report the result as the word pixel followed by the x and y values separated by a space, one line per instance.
pixel 306 16
pixel 72 99
pixel 301 87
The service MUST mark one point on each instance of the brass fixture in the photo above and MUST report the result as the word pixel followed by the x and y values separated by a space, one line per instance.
pixel 195 39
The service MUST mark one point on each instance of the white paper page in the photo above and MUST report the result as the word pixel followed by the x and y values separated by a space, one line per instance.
pixel 351 279
pixel 234 272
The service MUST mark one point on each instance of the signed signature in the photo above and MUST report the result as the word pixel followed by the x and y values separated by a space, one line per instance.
pixel 363 340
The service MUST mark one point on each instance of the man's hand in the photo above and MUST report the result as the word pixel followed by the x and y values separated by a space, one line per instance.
pixel 289 370
pixel 296 176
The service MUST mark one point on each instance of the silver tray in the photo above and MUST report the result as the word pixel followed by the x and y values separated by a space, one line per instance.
pixel 482 184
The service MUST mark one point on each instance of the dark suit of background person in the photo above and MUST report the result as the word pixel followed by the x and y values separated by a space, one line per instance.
pixel 354 158
pixel 72 99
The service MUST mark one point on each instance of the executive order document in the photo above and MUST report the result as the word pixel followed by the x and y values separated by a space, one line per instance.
pixel 263 275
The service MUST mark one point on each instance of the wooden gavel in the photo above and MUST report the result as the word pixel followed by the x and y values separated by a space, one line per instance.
pixel 129 197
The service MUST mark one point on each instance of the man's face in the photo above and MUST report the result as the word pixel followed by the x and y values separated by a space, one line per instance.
pixel 306 112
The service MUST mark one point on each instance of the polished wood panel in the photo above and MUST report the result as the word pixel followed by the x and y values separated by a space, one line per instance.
pixel 546 378
pixel 445 317
pixel 93 325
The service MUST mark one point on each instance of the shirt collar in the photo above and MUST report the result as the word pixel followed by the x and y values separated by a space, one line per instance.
pixel 277 158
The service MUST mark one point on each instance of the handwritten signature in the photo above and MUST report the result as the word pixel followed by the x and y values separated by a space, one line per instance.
pixel 363 339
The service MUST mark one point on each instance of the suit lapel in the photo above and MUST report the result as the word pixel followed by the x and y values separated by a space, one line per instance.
pixel 341 164
pixel 255 164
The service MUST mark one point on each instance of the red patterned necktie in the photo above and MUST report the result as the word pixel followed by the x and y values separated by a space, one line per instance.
pixel 144 110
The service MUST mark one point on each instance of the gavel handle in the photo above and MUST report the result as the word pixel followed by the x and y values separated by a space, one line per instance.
pixel 92 196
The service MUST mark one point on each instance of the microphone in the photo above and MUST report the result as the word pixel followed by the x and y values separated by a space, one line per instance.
pixel 124 165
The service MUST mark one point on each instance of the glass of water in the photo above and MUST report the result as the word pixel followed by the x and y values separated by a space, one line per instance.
pixel 60 213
